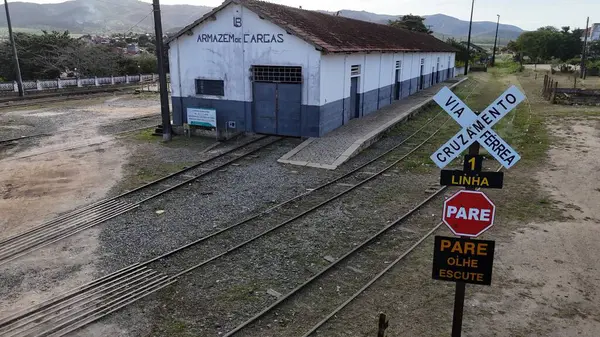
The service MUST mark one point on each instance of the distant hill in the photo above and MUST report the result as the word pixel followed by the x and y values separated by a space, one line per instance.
pixel 445 26
pixel 118 16
pixel 98 16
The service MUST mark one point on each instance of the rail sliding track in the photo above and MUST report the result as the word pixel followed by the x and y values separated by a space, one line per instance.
pixel 41 135
pixel 79 307
pixel 81 219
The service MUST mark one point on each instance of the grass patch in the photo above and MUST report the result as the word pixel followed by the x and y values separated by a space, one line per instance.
pixel 506 67
pixel 178 141
pixel 145 135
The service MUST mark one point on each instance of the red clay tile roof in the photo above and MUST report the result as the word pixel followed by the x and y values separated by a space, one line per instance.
pixel 337 34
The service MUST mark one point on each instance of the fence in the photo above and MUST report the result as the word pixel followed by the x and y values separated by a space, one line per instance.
pixel 569 96
pixel 41 85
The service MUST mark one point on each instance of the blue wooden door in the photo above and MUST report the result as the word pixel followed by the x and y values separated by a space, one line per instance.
pixel 289 102
pixel 264 112
pixel 354 98
pixel 277 108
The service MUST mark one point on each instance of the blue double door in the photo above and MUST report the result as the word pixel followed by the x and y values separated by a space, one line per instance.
pixel 276 108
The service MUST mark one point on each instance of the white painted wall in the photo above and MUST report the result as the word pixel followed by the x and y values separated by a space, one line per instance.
pixel 377 70
pixel 231 61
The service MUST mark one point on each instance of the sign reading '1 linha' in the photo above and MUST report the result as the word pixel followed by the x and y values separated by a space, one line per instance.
pixel 477 127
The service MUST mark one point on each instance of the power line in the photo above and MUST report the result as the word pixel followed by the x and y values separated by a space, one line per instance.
pixel 144 18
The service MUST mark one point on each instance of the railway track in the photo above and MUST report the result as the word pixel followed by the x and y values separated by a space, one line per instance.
pixel 41 135
pixel 74 222
pixel 378 275
pixel 72 310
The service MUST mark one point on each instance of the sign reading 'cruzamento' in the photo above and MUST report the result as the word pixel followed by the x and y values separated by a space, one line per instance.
pixel 245 38
pixel 477 127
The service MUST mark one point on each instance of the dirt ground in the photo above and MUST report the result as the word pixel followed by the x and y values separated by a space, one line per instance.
pixel 39 181
pixel 80 160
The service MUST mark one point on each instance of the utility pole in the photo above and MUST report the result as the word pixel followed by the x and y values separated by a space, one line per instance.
pixel 162 75
pixel 495 40
pixel 469 39
pixel 14 48
pixel 582 68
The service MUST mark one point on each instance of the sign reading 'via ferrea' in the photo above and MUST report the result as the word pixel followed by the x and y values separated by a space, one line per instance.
pixel 477 127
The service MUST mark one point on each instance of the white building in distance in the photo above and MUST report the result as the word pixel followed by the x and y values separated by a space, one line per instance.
pixel 274 69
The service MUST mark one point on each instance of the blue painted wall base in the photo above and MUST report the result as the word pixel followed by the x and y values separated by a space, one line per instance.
pixel 316 121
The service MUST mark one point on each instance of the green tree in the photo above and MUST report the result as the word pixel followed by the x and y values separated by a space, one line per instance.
pixel 548 42
pixel 411 22
pixel 461 55
pixel 594 50
pixel 49 54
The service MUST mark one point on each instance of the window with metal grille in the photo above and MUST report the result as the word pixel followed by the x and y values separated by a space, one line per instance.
pixel 422 61
pixel 210 87
pixel 398 64
pixel 355 70
pixel 277 74
pixel 438 59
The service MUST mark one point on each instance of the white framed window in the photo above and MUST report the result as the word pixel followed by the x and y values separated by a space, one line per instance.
pixel 398 64
pixel 422 61
pixel 355 70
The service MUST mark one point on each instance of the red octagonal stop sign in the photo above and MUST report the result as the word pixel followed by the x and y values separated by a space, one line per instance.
pixel 469 213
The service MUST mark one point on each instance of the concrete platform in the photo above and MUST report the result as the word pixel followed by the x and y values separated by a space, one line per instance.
pixel 343 143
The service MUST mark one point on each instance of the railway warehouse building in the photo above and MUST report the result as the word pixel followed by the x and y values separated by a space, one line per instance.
pixel 273 69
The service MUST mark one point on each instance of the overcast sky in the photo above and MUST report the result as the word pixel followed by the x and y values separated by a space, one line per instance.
pixel 527 14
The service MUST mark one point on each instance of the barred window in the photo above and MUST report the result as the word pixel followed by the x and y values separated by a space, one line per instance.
pixel 210 87
pixel 277 74
pixel 398 64
pixel 355 70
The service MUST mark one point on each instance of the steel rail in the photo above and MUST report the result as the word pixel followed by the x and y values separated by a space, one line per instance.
pixel 81 146
pixel 16 139
pixel 351 252
pixel 110 288
pixel 334 264
pixel 60 226
pixel 302 214
pixel 272 208
pixel 52 232
pixel 64 217
pixel 64 296
pixel 112 199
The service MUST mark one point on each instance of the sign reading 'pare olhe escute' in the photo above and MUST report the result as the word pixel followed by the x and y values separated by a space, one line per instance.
pixel 469 213
pixel 463 260
pixel 477 127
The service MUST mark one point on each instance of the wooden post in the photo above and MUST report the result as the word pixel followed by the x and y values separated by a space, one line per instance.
pixel 574 82
pixel 553 95
pixel 545 84
pixel 383 325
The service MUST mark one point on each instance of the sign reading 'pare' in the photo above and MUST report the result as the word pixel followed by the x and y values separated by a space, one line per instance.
pixel 463 260
pixel 469 213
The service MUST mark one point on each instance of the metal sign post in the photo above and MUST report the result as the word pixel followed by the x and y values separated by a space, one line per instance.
pixel 465 260
pixel 459 293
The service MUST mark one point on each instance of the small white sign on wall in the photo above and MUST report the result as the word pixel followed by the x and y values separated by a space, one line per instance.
pixel 202 117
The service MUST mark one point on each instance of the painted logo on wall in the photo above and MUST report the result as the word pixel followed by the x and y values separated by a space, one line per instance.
pixel 246 38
